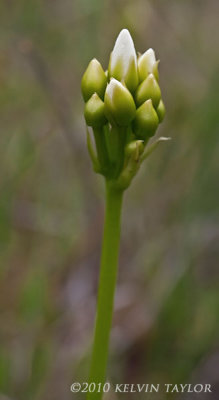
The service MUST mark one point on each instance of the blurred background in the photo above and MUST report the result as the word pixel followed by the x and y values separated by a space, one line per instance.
pixel 166 320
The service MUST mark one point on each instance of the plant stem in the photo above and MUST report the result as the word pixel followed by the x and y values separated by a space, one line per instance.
pixel 101 147
pixel 107 283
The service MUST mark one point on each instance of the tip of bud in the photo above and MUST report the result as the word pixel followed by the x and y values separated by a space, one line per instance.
pixel 94 61
pixel 151 54
pixel 111 87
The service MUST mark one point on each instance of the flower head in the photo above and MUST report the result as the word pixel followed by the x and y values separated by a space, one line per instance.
pixel 123 106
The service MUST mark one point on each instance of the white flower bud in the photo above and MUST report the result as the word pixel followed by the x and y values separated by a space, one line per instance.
pixel 119 104
pixel 123 61
pixel 146 63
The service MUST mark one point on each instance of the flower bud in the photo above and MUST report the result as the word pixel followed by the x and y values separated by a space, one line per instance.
pixel 148 89
pixel 145 64
pixel 123 61
pixel 94 111
pixel 94 80
pixel 119 104
pixel 161 110
pixel 146 121
pixel 136 147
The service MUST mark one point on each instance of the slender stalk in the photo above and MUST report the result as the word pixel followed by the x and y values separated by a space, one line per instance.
pixel 101 148
pixel 107 283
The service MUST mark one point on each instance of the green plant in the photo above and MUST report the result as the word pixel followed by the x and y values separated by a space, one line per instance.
pixel 123 106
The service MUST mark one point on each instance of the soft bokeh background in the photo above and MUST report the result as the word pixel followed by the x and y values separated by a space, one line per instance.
pixel 166 320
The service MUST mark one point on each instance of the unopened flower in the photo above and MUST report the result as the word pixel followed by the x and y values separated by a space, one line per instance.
pixel 119 104
pixel 148 89
pixel 146 121
pixel 161 111
pixel 94 80
pixel 147 64
pixel 94 111
pixel 123 61
pixel 134 147
pixel 121 134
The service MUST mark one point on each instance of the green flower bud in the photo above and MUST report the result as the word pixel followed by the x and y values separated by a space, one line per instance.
pixel 94 80
pixel 123 61
pixel 146 121
pixel 134 148
pixel 146 62
pixel 148 89
pixel 119 104
pixel 94 111
pixel 161 110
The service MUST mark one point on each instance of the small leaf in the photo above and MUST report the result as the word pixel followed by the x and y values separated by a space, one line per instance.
pixel 153 146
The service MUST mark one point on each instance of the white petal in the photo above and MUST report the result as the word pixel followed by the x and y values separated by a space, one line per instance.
pixel 111 87
pixel 123 50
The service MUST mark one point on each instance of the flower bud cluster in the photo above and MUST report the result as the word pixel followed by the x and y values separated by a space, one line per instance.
pixel 123 101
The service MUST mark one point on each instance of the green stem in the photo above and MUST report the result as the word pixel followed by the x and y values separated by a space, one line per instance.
pixel 107 283
pixel 101 147
pixel 122 138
